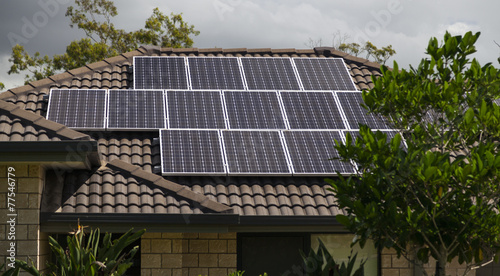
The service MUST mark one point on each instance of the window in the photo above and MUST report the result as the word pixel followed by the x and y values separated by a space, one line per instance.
pixel 339 246
pixel 273 253
pixel 278 253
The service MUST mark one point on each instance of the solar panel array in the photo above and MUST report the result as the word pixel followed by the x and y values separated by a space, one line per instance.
pixel 230 115
pixel 242 73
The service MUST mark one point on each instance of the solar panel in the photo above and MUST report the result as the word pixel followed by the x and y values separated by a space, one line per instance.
pixel 255 152
pixel 195 109
pixel 312 110
pixel 79 109
pixel 191 152
pixel 160 73
pixel 356 114
pixel 136 109
pixel 269 74
pixel 253 110
pixel 215 73
pixel 311 151
pixel 323 74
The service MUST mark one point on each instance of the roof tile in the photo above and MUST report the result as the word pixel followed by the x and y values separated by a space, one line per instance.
pixel 41 83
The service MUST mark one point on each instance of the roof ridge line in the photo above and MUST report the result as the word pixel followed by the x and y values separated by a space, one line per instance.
pixel 180 190
pixel 37 120
pixel 333 52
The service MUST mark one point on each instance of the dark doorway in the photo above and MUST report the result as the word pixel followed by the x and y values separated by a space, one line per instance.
pixel 275 254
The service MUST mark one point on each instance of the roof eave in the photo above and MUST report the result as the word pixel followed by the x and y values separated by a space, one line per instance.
pixel 81 154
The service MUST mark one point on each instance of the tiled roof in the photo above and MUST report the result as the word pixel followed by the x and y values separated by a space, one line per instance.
pixel 124 188
pixel 269 196
pixel 17 124
pixel 116 190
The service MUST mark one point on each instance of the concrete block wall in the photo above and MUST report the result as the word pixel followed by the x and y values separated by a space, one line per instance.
pixel 393 266
pixel 188 254
pixel 29 242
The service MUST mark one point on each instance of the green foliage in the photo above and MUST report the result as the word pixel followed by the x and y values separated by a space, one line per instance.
pixel 321 263
pixel 371 52
pixel 90 256
pixel 102 39
pixel 440 195
pixel 86 254
pixel 368 50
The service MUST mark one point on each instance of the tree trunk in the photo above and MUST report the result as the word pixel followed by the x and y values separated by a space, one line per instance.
pixel 441 263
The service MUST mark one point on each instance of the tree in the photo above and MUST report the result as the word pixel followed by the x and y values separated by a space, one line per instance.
pixel 438 196
pixel 102 39
pixel 368 50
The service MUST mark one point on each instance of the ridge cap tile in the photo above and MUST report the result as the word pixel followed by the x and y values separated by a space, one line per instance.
pixel 169 185
pixel 184 192
pixel 373 64
pixel 42 82
pixel 185 50
pixel 7 94
pixel 78 71
pixel 235 50
pixel 115 59
pixel 59 77
pixel 259 50
pixel 284 51
pixel 26 115
pixel 72 134
pixel 97 65
pixel 144 175
pixel 21 89
pixel 8 106
pixel 131 54
pixel 166 50
pixel 211 50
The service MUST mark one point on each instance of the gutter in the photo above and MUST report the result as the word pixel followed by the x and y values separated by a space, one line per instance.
pixel 74 153
pixel 212 222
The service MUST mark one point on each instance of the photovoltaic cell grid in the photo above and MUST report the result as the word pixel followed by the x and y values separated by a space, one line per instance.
pixel 311 151
pixel 215 73
pixel 136 109
pixel 191 152
pixel 356 114
pixel 79 109
pixel 255 110
pixel 323 74
pixel 312 110
pixel 269 74
pixel 255 152
pixel 160 73
pixel 195 109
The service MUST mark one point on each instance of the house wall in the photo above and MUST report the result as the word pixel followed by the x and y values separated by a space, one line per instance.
pixel 393 266
pixel 188 254
pixel 20 227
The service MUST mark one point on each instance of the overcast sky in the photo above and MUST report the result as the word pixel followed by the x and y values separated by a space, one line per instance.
pixel 407 25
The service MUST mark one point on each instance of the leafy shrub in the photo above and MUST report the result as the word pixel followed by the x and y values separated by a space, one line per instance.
pixel 321 263
pixel 87 255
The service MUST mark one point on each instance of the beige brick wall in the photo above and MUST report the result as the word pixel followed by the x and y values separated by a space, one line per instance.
pixel 393 266
pixel 188 254
pixel 30 243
